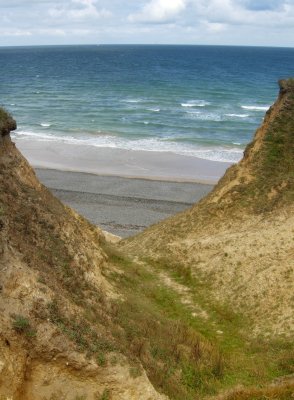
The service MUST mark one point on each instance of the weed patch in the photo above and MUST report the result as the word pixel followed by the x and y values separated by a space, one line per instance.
pixel 23 326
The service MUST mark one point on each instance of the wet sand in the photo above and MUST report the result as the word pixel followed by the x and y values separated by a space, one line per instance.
pixel 118 162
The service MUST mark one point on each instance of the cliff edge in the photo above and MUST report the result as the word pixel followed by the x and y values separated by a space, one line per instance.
pixel 56 336
pixel 7 123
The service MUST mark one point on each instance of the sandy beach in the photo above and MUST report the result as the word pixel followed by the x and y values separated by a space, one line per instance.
pixel 118 162
pixel 121 191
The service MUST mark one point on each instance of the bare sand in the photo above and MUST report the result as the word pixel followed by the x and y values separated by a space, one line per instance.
pixel 117 162
pixel 121 191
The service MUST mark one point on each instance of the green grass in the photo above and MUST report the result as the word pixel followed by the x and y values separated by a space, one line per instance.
pixel 273 165
pixel 184 355
pixel 171 351
pixel 105 395
pixel 264 359
pixel 23 326
pixel 81 332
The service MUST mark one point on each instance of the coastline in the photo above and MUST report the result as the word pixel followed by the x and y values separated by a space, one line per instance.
pixel 121 191
pixel 148 165
pixel 120 205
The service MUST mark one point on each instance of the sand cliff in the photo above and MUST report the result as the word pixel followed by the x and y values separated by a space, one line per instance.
pixel 51 271
pixel 240 237
pixel 173 312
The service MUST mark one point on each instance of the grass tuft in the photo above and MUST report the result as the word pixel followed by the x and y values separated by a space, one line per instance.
pixel 22 325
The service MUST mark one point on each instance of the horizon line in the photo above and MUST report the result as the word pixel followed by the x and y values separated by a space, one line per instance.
pixel 144 44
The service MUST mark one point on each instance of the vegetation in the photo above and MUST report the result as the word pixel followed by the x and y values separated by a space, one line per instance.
pixel 22 325
pixel 105 395
pixel 273 165
pixel 7 123
pixel 79 331
pixel 164 318
pixel 282 392
pixel 201 355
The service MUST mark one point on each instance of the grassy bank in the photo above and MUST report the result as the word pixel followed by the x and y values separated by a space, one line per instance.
pixel 186 354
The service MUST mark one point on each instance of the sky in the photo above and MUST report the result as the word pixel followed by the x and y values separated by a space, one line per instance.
pixel 214 22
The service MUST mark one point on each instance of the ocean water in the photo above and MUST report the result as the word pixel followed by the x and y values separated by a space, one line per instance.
pixel 202 101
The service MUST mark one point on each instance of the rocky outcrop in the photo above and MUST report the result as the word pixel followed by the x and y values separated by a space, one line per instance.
pixel 7 124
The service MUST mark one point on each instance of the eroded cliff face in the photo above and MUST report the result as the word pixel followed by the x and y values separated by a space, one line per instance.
pixel 239 239
pixel 52 284
pixel 81 319
pixel 263 180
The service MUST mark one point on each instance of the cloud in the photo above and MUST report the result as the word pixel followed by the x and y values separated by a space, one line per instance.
pixel 159 11
pixel 23 3
pixel 78 10
pixel 214 27
pixel 216 15
pixel 16 33
pixel 245 12
pixel 256 22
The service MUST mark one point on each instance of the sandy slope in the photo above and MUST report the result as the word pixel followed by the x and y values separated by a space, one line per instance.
pixel 51 279
pixel 240 238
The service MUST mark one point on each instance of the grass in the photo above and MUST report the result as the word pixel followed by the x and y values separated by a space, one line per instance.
pixel 23 326
pixel 105 395
pixel 177 358
pixel 282 392
pixel 195 360
pixel 184 356
pixel 273 165
pixel 81 332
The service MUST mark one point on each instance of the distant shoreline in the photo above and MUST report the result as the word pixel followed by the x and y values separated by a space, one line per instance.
pixel 100 161
pixel 121 191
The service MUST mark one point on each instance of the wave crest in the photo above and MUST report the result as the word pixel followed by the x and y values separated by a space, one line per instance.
pixel 195 103
pixel 256 108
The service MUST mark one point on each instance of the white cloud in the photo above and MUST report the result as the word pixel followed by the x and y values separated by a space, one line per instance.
pixel 16 33
pixel 51 32
pixel 262 22
pixel 159 11
pixel 78 10
pixel 217 14
pixel 214 27
pixel 233 12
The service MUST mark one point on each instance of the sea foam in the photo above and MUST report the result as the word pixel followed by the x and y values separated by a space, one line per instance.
pixel 195 103
pixel 202 116
pixel 256 108
pixel 216 153
pixel 237 115
pixel 132 100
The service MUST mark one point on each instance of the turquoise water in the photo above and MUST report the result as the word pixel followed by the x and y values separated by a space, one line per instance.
pixel 203 101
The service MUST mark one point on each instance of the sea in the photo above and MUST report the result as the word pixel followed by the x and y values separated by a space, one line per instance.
pixel 198 101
